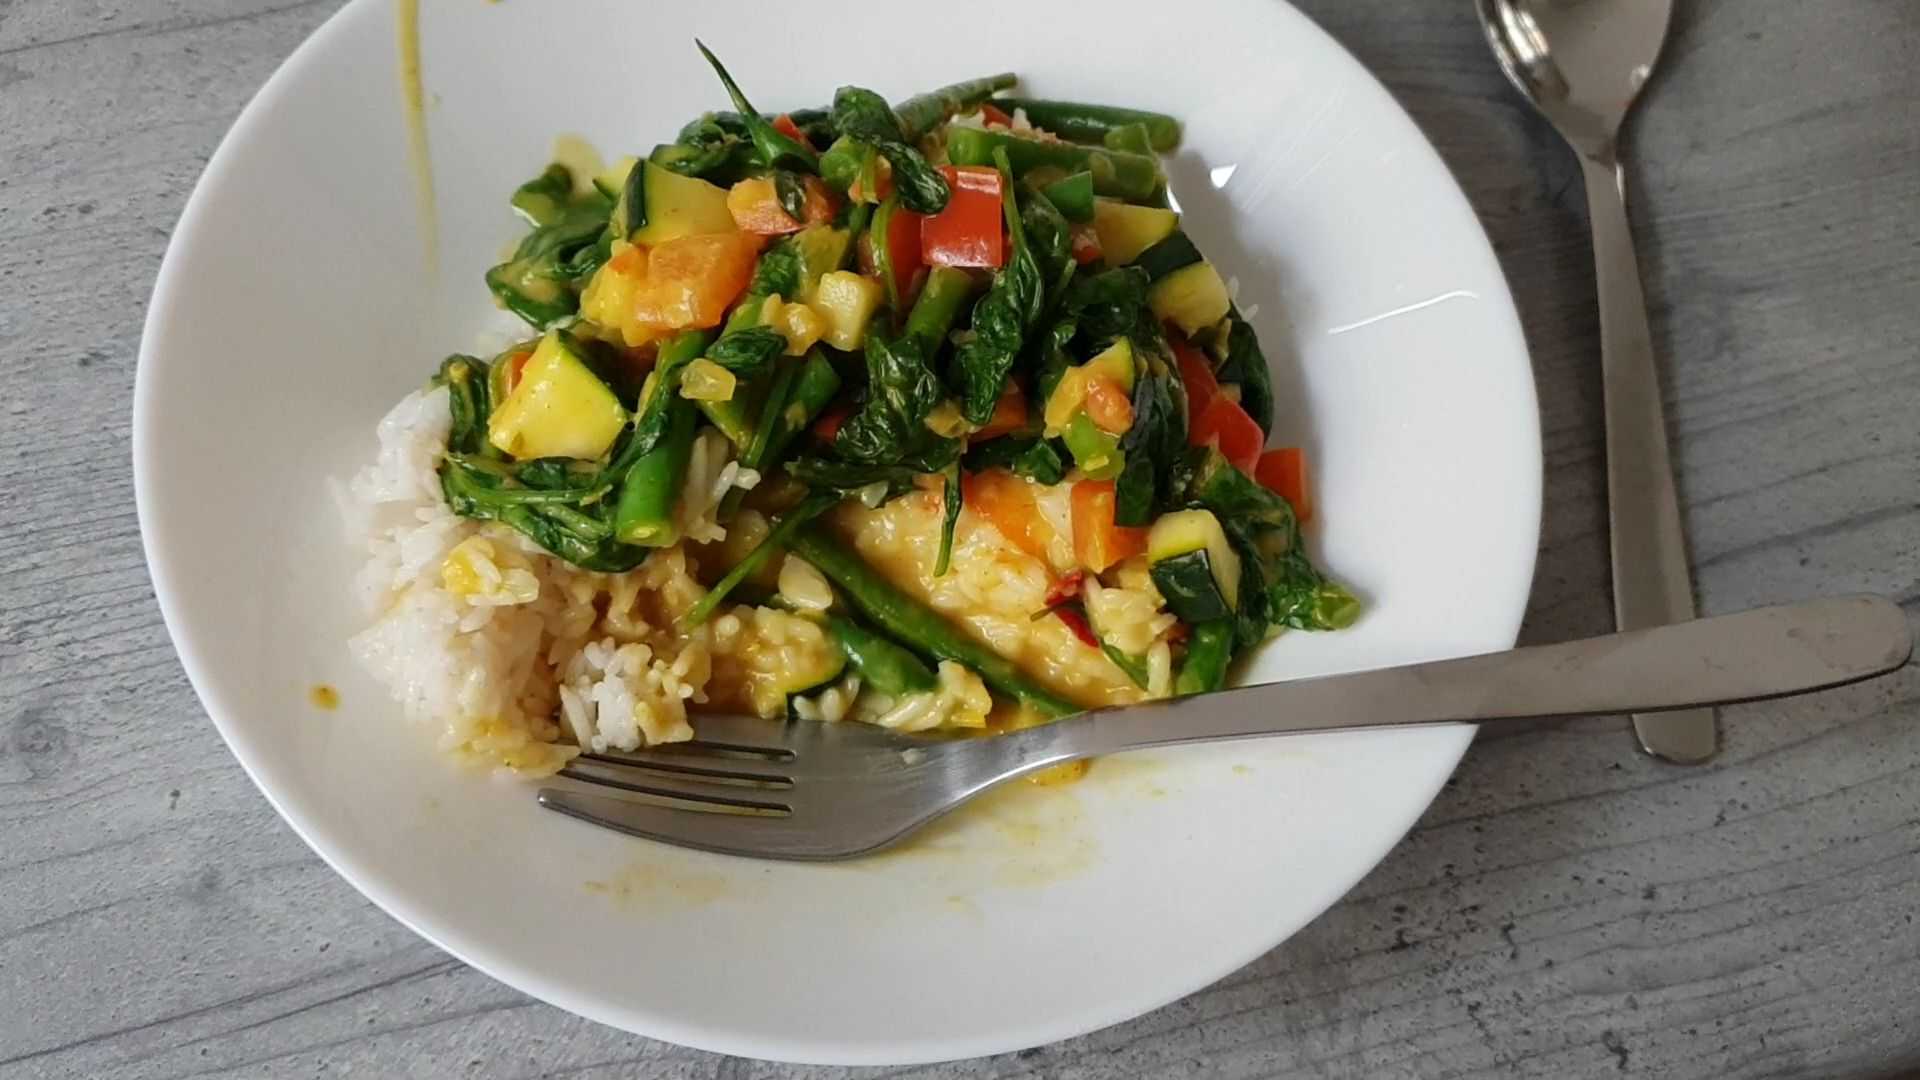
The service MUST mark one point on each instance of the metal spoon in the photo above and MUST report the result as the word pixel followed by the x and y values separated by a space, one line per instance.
pixel 1582 64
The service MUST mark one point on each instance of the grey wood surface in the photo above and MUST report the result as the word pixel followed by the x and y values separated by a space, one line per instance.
pixel 1565 909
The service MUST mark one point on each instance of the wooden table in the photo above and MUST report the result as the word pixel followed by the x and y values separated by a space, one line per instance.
pixel 1566 909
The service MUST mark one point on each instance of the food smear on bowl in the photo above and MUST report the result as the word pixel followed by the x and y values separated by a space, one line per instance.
pixel 323 697
pixel 413 100
pixel 916 415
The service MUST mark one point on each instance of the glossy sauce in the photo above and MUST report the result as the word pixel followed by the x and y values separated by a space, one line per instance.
pixel 414 101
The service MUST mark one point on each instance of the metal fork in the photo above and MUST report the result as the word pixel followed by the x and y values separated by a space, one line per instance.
pixel 819 791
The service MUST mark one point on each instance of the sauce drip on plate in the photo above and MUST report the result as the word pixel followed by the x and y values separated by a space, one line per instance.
pixel 414 100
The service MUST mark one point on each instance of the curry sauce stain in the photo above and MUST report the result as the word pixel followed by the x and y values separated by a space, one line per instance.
pixel 323 697
pixel 1017 835
pixel 654 885
pixel 413 99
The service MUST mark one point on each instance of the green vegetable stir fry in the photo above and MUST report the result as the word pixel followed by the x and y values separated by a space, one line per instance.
pixel 973 297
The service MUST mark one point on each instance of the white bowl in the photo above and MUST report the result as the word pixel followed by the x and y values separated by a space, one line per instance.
pixel 297 302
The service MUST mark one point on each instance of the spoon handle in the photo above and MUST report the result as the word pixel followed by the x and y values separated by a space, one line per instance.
pixel 1651 584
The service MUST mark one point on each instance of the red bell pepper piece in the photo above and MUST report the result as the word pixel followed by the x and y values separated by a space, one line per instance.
pixel 1284 472
pixel 970 231
pixel 828 425
pixel 1225 425
pixel 1076 621
pixel 1197 374
pixel 784 125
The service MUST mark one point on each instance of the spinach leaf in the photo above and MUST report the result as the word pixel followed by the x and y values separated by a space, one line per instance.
pixel 555 504
pixel 543 199
pixel 1001 319
pixel 713 147
pixel 815 124
pixel 1050 356
pixel 778 271
pixel 1137 488
pixel 1246 367
pixel 748 353
pixel 1035 459
pixel 1234 496
pixel 1049 235
pixel 541 283
pixel 899 477
pixel 901 391
pixel 861 114
pixel 465 378
pixel 1300 597
pixel 791 193
pixel 772 148
pixel 1109 304
pixel 1253 613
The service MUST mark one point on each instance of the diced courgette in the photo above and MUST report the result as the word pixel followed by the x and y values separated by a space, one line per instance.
pixel 1126 231
pixel 822 249
pixel 1192 298
pixel 1194 566
pixel 1174 252
pixel 559 408
pixel 1115 364
pixel 657 204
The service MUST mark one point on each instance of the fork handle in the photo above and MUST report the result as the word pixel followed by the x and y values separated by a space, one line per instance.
pixel 1764 653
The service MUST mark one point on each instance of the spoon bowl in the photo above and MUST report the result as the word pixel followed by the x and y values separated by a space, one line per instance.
pixel 1580 62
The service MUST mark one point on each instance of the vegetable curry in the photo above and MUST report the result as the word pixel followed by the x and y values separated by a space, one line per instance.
pixel 968 298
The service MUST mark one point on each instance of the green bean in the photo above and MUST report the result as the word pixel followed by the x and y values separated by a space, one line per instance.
pixel 777 538
pixel 908 620
pixel 1072 195
pixel 1090 123
pixel 922 113
pixel 840 165
pixel 650 421
pixel 1134 177
pixel 1133 138
pixel 644 514
pixel 938 307
pixel 735 416
pixel 886 665
pixel 1133 667
pixel 1208 651
pixel 811 390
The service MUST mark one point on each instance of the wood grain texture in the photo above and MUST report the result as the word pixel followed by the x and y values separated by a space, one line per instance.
pixel 1566 909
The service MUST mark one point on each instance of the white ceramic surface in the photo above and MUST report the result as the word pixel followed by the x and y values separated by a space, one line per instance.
pixel 296 303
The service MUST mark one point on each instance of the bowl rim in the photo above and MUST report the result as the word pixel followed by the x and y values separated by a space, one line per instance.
pixel 421 919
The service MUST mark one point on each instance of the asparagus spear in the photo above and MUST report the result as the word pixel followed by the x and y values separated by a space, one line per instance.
pixel 1090 123
pixel 922 113
pixel 938 307
pixel 908 620
pixel 1128 176
pixel 644 514
pixel 1208 651
pixel 777 538
pixel 886 665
